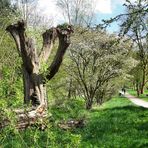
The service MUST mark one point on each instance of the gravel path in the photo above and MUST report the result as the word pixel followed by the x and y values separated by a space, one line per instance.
pixel 137 101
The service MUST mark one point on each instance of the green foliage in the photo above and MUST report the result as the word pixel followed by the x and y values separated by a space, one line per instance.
pixel 117 123
pixel 5 4
pixel 134 19
pixel 98 61
pixel 63 26
pixel 117 126
pixel 36 34
pixel 10 80
pixel 52 136
pixel 142 96
pixel 65 109
pixel 11 93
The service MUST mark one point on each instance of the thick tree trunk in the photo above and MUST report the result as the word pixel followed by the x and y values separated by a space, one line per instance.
pixel 34 89
pixel 137 88
pixel 34 82
pixel 89 103
pixel 99 98
pixel 142 89
pixel 143 82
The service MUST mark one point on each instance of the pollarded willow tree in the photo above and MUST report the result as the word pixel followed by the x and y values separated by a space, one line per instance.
pixel 34 80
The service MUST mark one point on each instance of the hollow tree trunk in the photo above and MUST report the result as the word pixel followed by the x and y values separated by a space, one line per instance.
pixel 34 89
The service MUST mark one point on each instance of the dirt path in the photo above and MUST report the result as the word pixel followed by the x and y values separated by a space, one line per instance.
pixel 136 101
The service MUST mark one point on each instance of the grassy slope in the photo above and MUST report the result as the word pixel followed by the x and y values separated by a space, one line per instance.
pixel 117 123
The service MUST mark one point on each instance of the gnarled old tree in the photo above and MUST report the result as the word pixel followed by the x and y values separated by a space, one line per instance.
pixel 34 81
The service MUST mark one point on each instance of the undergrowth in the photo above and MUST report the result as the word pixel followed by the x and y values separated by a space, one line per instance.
pixel 117 123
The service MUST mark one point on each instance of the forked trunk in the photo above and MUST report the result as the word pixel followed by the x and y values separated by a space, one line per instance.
pixel 34 89
pixel 34 82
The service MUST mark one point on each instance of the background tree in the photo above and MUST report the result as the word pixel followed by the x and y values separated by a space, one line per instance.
pixel 97 60
pixel 77 12
pixel 139 72
pixel 24 8
pixel 133 25
pixel 29 11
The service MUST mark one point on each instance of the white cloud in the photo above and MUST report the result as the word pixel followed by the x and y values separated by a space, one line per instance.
pixel 103 6
pixel 49 8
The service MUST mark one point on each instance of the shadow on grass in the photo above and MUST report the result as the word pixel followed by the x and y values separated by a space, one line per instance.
pixel 125 126
pixel 127 108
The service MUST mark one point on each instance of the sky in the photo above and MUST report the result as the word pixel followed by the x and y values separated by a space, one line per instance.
pixel 104 9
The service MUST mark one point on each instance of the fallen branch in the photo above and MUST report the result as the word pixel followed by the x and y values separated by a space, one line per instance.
pixel 71 124
pixel 23 119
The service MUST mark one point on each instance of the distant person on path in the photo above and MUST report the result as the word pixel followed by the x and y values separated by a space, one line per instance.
pixel 123 90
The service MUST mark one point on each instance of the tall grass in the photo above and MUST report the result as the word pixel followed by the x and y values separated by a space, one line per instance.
pixel 117 123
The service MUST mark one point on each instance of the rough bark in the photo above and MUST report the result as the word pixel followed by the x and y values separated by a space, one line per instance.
pixel 89 104
pixel 34 82
pixel 64 42
pixel 137 88
pixel 143 82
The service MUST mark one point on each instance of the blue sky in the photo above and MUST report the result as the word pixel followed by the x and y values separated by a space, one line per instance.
pixel 116 10
pixel 104 9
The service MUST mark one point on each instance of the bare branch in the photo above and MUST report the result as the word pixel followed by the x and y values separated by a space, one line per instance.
pixel 25 45
pixel 16 31
pixel 64 42
pixel 48 40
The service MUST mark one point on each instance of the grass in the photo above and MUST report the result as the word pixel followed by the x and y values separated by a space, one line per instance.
pixel 142 96
pixel 115 124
